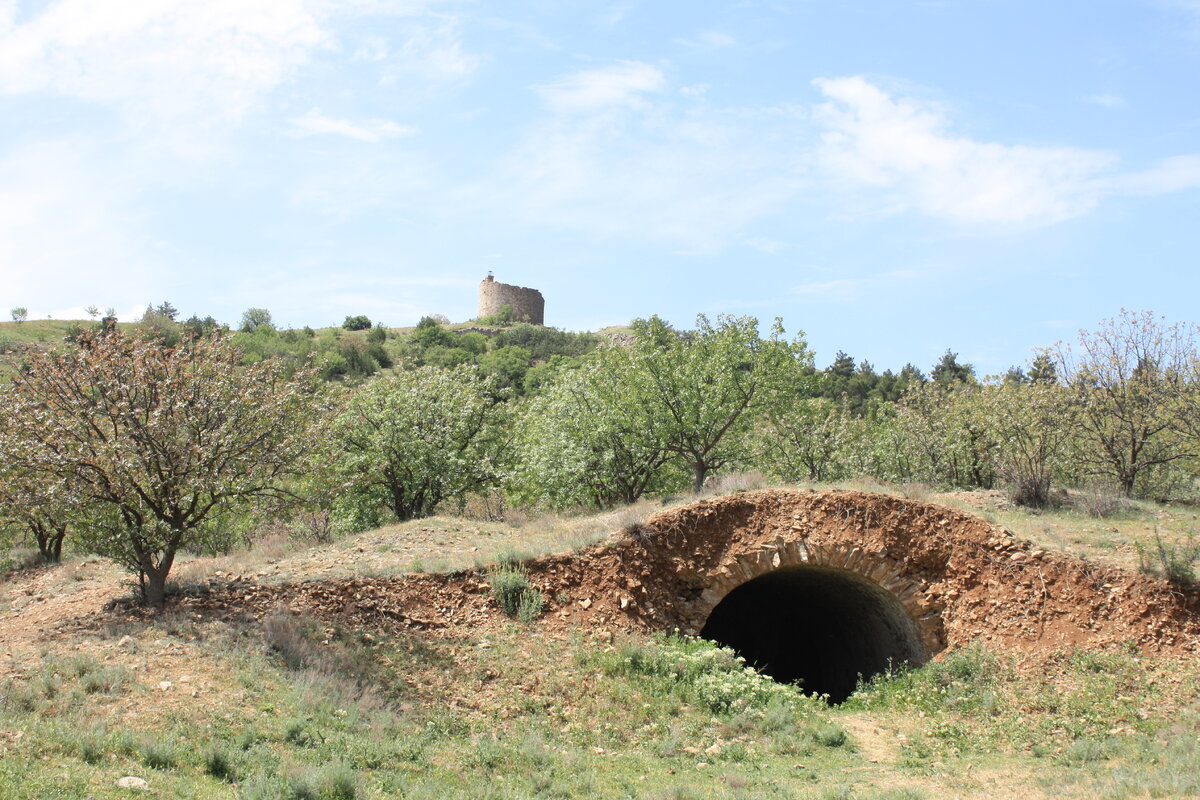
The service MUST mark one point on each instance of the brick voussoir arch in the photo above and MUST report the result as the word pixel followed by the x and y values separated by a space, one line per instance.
pixel 877 568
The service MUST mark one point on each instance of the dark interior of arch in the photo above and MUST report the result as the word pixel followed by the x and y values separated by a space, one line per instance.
pixel 821 626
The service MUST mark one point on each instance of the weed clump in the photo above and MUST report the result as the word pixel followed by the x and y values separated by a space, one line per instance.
pixel 332 782
pixel 698 671
pixel 513 593
pixel 219 765
pixel 1176 563
pixel 159 754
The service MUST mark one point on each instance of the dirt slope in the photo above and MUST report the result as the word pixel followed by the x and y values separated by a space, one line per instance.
pixel 968 578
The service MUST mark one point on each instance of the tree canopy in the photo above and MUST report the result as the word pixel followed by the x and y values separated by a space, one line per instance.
pixel 157 443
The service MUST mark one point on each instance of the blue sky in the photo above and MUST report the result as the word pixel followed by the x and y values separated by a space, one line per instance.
pixel 892 178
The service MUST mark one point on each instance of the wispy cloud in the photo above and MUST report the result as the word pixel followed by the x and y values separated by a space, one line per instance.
pixel 189 67
pixel 615 157
pixel 68 229
pixel 903 154
pixel 905 150
pixel 624 84
pixel 159 59
pixel 856 287
pixel 708 40
pixel 1108 100
pixel 375 130
pixel 1168 175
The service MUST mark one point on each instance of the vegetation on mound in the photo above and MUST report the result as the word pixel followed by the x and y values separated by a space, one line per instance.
pixel 533 417
pixel 300 708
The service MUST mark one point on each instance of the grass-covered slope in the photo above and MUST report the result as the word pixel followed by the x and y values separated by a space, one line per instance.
pixel 218 706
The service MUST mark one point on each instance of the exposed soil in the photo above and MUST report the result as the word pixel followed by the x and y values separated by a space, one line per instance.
pixel 968 578
pixel 971 579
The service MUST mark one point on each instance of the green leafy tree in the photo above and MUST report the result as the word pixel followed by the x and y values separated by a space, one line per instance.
pixel 195 328
pixel 508 366
pixel 410 441
pixel 948 371
pixel 159 326
pixel 167 310
pixel 1125 379
pixel 805 439
pixel 586 441
pixel 20 314
pixel 704 386
pixel 255 318
pixel 361 322
pixel 158 444
pixel 1030 427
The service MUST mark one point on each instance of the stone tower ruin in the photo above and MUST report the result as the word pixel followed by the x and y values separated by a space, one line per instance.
pixel 527 304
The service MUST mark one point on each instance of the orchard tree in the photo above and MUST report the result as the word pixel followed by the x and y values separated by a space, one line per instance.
pixel 33 505
pixel 703 387
pixel 805 439
pixel 948 444
pixel 407 442
pixel 586 440
pixel 1126 378
pixel 157 444
pixel 1030 427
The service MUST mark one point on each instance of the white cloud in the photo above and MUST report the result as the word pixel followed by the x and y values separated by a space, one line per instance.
pixel 159 59
pixel 188 66
pixel 615 158
pixel 1108 100
pixel 1168 175
pixel 905 150
pixel 708 40
pixel 854 288
pixel 622 85
pixel 315 122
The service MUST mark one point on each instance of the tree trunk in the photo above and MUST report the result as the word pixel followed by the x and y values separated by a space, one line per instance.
pixel 49 538
pixel 154 589
pixel 699 473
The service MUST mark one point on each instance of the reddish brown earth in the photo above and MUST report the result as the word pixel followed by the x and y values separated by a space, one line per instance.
pixel 962 577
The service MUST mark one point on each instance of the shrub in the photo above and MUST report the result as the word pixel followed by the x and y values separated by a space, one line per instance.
pixel 90 746
pixel 332 782
pixel 159 753
pixel 1100 503
pixel 218 764
pixel 531 605
pixel 360 322
pixel 1176 563
pixel 699 671
pixel 512 592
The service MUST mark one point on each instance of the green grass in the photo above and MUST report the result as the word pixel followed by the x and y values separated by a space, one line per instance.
pixel 323 713
pixel 310 709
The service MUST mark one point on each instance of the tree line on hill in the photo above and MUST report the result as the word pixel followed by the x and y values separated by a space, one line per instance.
pixel 182 436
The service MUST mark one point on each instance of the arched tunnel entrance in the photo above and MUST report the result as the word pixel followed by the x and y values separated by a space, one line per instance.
pixel 822 626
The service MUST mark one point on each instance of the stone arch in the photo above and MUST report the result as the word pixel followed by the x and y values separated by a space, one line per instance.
pixel 876 569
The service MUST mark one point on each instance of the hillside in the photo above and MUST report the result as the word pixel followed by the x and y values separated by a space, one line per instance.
pixel 251 700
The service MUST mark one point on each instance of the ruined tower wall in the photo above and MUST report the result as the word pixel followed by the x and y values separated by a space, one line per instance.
pixel 528 305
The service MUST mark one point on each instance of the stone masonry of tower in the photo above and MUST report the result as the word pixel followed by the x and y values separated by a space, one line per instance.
pixel 528 305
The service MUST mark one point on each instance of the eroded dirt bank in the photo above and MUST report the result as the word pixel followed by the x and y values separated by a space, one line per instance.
pixel 961 577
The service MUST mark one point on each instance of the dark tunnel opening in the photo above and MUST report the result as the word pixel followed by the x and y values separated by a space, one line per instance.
pixel 821 626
